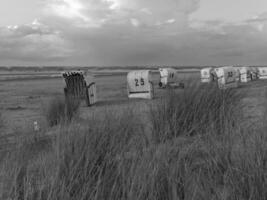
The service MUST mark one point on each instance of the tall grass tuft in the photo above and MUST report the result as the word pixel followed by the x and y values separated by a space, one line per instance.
pixel 60 110
pixel 1 121
pixel 196 110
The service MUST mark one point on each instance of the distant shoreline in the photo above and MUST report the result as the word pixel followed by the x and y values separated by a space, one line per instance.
pixel 49 75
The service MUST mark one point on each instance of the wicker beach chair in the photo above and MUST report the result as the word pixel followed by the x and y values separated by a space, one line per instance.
pixel 79 86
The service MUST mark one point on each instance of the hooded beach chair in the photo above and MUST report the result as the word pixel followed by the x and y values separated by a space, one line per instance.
pixel 80 86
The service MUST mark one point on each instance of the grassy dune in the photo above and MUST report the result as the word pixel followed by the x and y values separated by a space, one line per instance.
pixel 187 145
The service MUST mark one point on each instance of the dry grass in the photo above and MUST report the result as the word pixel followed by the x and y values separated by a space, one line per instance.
pixel 197 110
pixel 197 151
pixel 1 121
pixel 60 111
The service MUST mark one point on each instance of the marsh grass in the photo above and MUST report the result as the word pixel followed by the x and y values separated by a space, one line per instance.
pixel 1 121
pixel 197 151
pixel 197 110
pixel 60 110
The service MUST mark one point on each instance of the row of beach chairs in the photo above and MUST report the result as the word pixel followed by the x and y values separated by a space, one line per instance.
pixel 80 85
pixel 230 76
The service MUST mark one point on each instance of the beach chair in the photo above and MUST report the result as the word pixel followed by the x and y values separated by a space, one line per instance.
pixel 169 78
pixel 226 77
pixel 79 86
pixel 139 84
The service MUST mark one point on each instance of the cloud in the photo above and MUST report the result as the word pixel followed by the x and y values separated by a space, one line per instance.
pixel 220 42
pixel 96 13
pixel 119 30
pixel 135 22
pixel 258 21
pixel 133 32
pixel 32 42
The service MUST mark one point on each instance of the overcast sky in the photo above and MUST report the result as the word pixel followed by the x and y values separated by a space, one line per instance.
pixel 133 32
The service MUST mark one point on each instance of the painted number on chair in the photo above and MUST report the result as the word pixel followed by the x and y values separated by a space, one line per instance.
pixel 139 82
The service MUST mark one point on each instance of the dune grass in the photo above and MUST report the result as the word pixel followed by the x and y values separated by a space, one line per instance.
pixel 197 110
pixel 1 120
pixel 191 147
pixel 60 110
